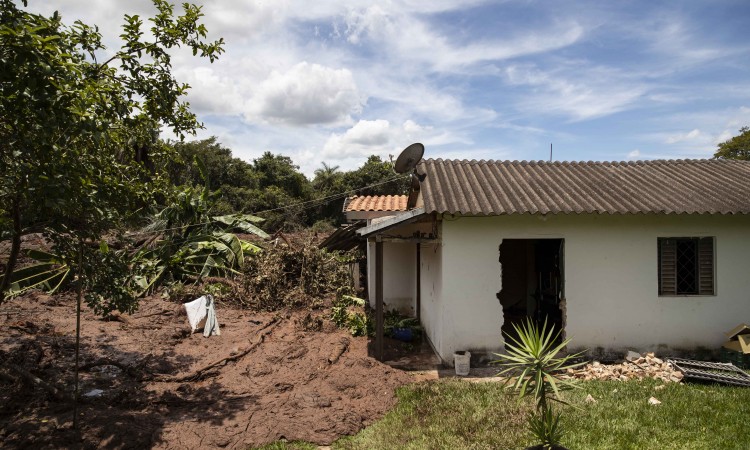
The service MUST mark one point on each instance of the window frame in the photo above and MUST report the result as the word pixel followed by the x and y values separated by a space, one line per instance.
pixel 701 266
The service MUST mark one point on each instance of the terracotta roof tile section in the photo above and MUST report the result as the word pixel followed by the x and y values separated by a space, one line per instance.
pixel 660 186
pixel 376 203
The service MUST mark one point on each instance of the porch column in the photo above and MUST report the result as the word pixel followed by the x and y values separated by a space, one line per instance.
pixel 379 299
pixel 419 284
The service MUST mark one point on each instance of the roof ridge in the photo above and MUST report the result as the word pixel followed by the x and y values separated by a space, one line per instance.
pixel 589 162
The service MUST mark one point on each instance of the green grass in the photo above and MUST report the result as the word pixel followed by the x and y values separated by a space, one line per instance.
pixel 449 414
pixel 691 416
pixel 462 415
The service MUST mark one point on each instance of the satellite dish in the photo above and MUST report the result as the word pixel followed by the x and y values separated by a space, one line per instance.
pixel 409 158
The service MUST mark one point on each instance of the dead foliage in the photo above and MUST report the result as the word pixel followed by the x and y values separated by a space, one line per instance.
pixel 294 276
pixel 298 274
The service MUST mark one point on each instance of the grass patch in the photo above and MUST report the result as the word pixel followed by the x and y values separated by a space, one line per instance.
pixel 690 416
pixel 458 414
pixel 447 414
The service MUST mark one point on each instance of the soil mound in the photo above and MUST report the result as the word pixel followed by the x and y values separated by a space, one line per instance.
pixel 147 382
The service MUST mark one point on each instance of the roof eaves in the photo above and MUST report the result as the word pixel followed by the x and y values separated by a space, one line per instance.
pixel 398 219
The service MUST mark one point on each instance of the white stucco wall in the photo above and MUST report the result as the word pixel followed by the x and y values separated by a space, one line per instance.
pixel 611 281
pixel 399 276
pixel 431 294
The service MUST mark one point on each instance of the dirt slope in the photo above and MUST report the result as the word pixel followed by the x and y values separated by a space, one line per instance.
pixel 153 394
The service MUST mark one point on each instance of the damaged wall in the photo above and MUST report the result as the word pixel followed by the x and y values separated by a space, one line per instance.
pixel 471 314
pixel 610 278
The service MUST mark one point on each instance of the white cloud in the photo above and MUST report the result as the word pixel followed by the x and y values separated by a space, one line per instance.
pixel 579 92
pixel 412 39
pixel 306 94
pixel 635 154
pixel 468 78
pixel 376 137
pixel 690 135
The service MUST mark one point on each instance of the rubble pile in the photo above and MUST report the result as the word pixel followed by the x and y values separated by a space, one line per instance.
pixel 635 367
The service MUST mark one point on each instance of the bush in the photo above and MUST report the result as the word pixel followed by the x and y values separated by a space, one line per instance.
pixel 358 322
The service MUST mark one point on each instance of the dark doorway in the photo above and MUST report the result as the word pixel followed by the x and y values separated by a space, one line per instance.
pixel 532 282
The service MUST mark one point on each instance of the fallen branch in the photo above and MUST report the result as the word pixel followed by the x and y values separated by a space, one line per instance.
pixel 128 320
pixel 339 350
pixel 262 333
pixel 164 312
pixel 27 376
pixel 279 235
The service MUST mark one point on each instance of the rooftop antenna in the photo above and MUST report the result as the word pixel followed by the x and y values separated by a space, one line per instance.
pixel 408 159
pixel 550 152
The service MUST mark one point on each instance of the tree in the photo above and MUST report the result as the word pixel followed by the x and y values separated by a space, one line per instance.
pixel 78 136
pixel 223 169
pixel 737 147
pixel 326 178
pixel 280 171
pixel 282 190
pixel 376 177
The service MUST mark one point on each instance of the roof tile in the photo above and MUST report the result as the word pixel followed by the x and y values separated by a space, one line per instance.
pixel 376 203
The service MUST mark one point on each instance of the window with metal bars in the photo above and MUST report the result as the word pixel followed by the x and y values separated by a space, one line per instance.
pixel 686 266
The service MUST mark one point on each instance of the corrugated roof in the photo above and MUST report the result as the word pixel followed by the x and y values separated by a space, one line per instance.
pixel 662 186
pixel 376 203
pixel 344 238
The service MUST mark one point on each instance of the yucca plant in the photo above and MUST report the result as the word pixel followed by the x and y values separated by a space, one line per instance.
pixel 532 367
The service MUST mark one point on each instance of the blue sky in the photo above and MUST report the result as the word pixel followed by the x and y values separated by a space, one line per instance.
pixel 338 81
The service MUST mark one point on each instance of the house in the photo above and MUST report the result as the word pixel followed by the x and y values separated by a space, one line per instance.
pixel 648 255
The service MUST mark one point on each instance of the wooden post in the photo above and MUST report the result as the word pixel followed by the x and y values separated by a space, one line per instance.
pixel 419 284
pixel 379 299
pixel 355 275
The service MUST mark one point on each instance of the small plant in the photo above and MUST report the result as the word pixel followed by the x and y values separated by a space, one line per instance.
pixel 357 322
pixel 533 365
pixel 394 321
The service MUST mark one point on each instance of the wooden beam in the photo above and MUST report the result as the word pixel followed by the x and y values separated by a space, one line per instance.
pixel 379 300
pixel 419 284
pixel 410 240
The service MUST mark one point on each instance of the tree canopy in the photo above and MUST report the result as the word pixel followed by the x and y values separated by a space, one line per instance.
pixel 273 186
pixel 737 147
pixel 78 137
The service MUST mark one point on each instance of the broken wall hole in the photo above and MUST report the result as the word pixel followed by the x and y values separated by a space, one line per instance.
pixel 532 276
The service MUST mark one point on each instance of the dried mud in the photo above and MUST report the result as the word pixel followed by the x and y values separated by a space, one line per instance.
pixel 285 388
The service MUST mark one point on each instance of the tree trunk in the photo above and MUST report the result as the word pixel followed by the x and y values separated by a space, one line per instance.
pixel 15 249
pixel 78 331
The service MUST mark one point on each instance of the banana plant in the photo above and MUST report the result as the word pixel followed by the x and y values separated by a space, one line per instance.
pixel 48 273
pixel 187 243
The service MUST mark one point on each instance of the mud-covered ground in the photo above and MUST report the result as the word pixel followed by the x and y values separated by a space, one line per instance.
pixel 146 382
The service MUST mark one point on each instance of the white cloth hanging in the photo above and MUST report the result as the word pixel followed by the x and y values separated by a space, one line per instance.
pixel 211 327
pixel 201 312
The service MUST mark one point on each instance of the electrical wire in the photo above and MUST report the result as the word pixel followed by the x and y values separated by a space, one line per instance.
pixel 314 204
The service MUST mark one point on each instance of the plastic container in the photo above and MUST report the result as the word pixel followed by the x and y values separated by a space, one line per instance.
pixel 403 334
pixel 462 363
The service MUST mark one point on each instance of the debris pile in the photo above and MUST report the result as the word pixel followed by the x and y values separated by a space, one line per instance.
pixel 636 367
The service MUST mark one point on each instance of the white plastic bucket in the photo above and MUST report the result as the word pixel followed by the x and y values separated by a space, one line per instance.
pixel 462 362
